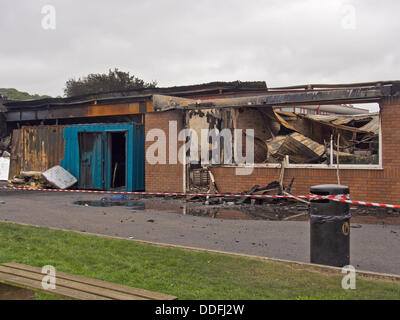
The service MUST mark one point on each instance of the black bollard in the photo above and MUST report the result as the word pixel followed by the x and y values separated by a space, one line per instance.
pixel 329 227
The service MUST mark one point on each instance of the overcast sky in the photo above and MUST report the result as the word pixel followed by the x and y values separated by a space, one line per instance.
pixel 180 42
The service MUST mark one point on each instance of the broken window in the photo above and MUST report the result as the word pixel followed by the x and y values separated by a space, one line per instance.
pixel 314 135
pixel 308 138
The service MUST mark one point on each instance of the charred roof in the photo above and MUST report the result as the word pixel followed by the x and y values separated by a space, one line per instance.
pixel 144 93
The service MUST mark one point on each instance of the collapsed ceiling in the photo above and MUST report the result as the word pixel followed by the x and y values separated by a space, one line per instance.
pixel 313 138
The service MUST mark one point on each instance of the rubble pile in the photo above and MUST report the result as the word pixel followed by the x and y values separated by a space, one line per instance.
pixel 273 188
pixel 29 179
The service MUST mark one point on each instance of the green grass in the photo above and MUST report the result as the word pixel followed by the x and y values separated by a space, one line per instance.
pixel 183 273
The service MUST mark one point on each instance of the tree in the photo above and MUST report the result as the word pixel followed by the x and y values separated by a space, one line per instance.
pixel 14 94
pixel 115 80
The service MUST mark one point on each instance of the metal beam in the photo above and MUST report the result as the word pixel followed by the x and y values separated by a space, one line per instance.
pixel 336 96
pixel 80 111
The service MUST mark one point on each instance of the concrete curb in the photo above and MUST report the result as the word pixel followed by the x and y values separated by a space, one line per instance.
pixel 293 264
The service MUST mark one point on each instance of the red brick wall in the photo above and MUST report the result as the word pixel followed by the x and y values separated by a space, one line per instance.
pixel 163 177
pixel 370 185
pixel 364 184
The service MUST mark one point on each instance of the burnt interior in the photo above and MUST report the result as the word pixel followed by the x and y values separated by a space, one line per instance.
pixel 118 159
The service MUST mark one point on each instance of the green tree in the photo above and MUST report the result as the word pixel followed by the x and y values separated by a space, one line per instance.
pixel 115 80
pixel 14 94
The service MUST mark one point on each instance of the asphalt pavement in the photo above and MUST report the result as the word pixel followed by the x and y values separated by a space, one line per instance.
pixel 374 247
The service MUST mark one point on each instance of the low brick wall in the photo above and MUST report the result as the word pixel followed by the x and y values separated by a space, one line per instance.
pixel 371 185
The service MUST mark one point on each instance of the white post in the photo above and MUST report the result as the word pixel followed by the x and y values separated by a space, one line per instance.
pixel 331 153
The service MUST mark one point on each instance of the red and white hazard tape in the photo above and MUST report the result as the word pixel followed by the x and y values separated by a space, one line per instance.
pixel 156 193
pixel 346 198
pixel 339 197
pixel 335 197
pixel 374 204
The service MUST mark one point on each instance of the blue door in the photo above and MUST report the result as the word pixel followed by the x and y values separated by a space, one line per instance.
pixel 106 156
pixel 91 160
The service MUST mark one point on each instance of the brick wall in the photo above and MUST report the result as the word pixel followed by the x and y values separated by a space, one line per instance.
pixel 163 177
pixel 364 184
pixel 370 185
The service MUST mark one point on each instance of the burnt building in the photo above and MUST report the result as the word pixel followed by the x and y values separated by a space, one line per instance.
pixel 104 139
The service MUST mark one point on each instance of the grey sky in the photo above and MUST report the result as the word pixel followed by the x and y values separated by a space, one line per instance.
pixel 178 42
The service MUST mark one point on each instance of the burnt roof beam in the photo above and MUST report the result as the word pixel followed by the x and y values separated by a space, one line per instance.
pixel 354 95
pixel 84 111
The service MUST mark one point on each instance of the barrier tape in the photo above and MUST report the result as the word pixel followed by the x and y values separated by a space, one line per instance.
pixel 157 193
pixel 338 197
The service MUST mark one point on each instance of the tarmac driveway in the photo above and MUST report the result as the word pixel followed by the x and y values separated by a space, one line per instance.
pixel 374 247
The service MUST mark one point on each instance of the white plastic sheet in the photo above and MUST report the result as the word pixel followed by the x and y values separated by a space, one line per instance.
pixel 4 168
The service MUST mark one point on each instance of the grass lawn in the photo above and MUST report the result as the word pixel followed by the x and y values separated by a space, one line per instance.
pixel 185 274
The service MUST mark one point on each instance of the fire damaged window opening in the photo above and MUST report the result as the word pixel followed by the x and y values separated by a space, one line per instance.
pixel 118 159
pixel 325 140
pixel 301 140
